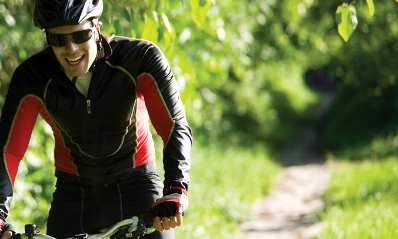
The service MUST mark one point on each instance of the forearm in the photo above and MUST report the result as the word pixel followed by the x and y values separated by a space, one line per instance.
pixel 177 157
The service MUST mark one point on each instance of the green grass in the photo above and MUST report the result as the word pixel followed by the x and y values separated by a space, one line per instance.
pixel 362 200
pixel 224 183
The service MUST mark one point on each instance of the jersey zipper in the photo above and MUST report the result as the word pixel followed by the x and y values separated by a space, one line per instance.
pixel 89 106
pixel 91 89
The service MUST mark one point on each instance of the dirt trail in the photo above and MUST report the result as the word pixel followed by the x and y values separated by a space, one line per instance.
pixel 289 211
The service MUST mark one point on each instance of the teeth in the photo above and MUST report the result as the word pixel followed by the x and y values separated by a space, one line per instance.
pixel 74 60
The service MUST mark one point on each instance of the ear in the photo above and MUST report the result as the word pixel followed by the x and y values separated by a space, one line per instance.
pixel 98 27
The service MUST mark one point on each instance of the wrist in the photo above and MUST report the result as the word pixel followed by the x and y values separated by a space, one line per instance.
pixel 174 189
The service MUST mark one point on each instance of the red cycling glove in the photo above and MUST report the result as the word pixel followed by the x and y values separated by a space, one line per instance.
pixel 1 224
pixel 170 205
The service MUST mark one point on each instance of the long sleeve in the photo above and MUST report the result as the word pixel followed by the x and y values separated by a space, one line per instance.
pixel 17 120
pixel 160 90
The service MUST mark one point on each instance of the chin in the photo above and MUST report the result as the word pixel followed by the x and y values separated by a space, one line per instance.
pixel 77 72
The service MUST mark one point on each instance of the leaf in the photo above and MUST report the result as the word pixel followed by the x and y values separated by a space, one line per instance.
pixel 169 35
pixel 346 20
pixel 150 31
pixel 199 9
pixel 167 23
pixel 371 7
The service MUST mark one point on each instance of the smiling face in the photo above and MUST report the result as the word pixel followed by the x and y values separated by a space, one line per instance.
pixel 76 59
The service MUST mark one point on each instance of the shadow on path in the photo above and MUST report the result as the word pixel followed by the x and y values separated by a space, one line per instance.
pixel 289 211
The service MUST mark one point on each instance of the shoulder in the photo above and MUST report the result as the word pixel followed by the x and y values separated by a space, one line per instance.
pixel 135 46
pixel 37 68
pixel 135 54
pixel 43 61
pixel 121 40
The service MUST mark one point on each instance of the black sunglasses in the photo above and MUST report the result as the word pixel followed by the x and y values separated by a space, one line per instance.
pixel 60 40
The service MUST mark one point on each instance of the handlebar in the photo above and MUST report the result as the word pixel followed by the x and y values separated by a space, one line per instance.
pixel 129 228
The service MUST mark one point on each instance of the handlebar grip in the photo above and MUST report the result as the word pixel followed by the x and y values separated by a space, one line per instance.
pixel 148 219
pixel 16 236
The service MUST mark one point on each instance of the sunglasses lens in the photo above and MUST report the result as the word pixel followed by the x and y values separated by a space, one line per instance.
pixel 60 40
pixel 82 36
pixel 57 40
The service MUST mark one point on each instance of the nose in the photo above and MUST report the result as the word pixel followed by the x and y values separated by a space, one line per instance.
pixel 71 46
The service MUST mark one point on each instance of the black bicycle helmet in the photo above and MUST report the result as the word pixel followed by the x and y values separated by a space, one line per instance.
pixel 49 14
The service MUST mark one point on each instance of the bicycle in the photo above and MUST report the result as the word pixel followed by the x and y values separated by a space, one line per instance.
pixel 132 228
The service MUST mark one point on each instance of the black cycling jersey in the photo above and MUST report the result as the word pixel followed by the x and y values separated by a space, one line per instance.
pixel 107 131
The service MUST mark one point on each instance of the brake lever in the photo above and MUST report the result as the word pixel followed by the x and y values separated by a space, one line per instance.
pixel 141 225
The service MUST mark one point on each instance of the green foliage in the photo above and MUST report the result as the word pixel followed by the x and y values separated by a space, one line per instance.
pixel 361 200
pixel 253 83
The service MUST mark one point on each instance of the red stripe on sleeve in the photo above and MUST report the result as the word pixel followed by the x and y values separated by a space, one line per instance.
pixel 145 151
pixel 157 108
pixel 20 133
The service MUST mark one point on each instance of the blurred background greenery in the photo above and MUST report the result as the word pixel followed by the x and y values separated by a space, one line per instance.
pixel 250 72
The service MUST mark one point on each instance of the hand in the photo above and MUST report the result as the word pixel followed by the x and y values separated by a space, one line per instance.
pixel 4 234
pixel 166 223
pixel 168 211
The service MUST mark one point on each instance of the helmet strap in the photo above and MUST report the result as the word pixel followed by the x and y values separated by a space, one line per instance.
pixel 99 47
